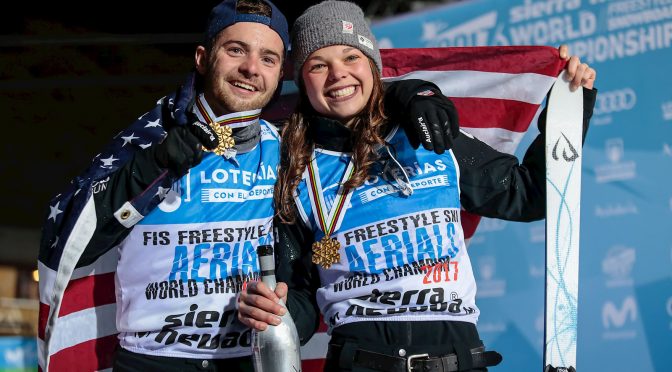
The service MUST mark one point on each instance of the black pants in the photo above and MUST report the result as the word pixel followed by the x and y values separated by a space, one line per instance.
pixel 436 338
pixel 126 361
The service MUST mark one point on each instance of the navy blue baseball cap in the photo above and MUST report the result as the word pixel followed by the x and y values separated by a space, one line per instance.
pixel 225 14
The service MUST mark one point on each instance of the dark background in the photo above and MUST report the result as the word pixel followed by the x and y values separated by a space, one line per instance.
pixel 71 77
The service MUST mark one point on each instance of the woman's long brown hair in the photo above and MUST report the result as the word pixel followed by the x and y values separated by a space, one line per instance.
pixel 367 131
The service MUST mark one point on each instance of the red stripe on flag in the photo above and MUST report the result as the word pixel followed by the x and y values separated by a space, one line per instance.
pixel 42 320
pixel 92 355
pixel 469 223
pixel 310 365
pixel 494 113
pixel 323 327
pixel 88 292
pixel 507 59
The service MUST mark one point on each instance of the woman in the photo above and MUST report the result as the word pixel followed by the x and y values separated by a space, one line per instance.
pixel 374 215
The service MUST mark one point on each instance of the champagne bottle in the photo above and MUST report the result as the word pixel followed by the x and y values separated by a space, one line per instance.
pixel 277 349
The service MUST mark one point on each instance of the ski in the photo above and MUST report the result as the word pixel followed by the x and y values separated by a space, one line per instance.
pixel 564 127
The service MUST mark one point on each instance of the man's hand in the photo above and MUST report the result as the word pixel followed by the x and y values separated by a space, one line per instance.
pixel 258 306
pixel 433 121
pixel 182 148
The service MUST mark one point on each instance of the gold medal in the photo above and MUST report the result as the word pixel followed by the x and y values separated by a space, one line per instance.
pixel 325 252
pixel 223 133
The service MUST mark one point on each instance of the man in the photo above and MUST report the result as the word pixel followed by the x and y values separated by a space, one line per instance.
pixel 180 265
pixel 172 229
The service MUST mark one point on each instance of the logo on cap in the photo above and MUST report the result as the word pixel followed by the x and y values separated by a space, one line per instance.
pixel 365 41
pixel 347 27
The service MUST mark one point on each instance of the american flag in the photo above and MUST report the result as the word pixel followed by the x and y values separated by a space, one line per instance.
pixel 497 91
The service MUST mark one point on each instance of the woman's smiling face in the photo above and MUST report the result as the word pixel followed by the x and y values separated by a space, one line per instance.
pixel 338 81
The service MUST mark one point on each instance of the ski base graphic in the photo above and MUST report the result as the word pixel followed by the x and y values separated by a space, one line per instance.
pixel 564 130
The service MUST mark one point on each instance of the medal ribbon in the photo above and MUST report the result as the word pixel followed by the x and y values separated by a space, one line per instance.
pixel 328 220
pixel 234 120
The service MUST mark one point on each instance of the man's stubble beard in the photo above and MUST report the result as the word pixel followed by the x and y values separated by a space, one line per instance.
pixel 233 103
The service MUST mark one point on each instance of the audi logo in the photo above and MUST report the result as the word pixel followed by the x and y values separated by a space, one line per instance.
pixel 615 101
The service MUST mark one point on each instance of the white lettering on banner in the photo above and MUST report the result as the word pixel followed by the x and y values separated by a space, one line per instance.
pixel 472 32
pixel 531 9
pixel 380 191
pixel 236 195
pixel 615 210
pixel 630 19
pixel 554 30
pixel 614 319
pixel 666 107
pixel 615 101
pixel 622 44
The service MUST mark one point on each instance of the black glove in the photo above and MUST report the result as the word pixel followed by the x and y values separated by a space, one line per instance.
pixel 182 148
pixel 433 121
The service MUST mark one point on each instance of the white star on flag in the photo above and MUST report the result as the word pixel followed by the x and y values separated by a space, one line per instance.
pixel 54 211
pixel 129 139
pixel 152 124
pixel 55 242
pixel 108 162
pixel 146 145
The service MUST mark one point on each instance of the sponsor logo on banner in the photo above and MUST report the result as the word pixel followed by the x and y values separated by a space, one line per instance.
pixel 666 107
pixel 617 265
pixel 616 210
pixel 618 320
pixel 617 169
pixel 615 101
pixel 469 33
pixel 612 102
pixel 488 284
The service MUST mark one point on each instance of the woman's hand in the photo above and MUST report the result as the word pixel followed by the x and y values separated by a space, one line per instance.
pixel 580 74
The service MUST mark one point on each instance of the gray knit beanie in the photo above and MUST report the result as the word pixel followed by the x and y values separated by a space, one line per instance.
pixel 332 23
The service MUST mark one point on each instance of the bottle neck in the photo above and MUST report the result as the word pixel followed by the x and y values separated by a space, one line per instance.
pixel 267 267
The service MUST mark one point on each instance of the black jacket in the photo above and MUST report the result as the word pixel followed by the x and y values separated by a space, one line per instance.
pixel 492 184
